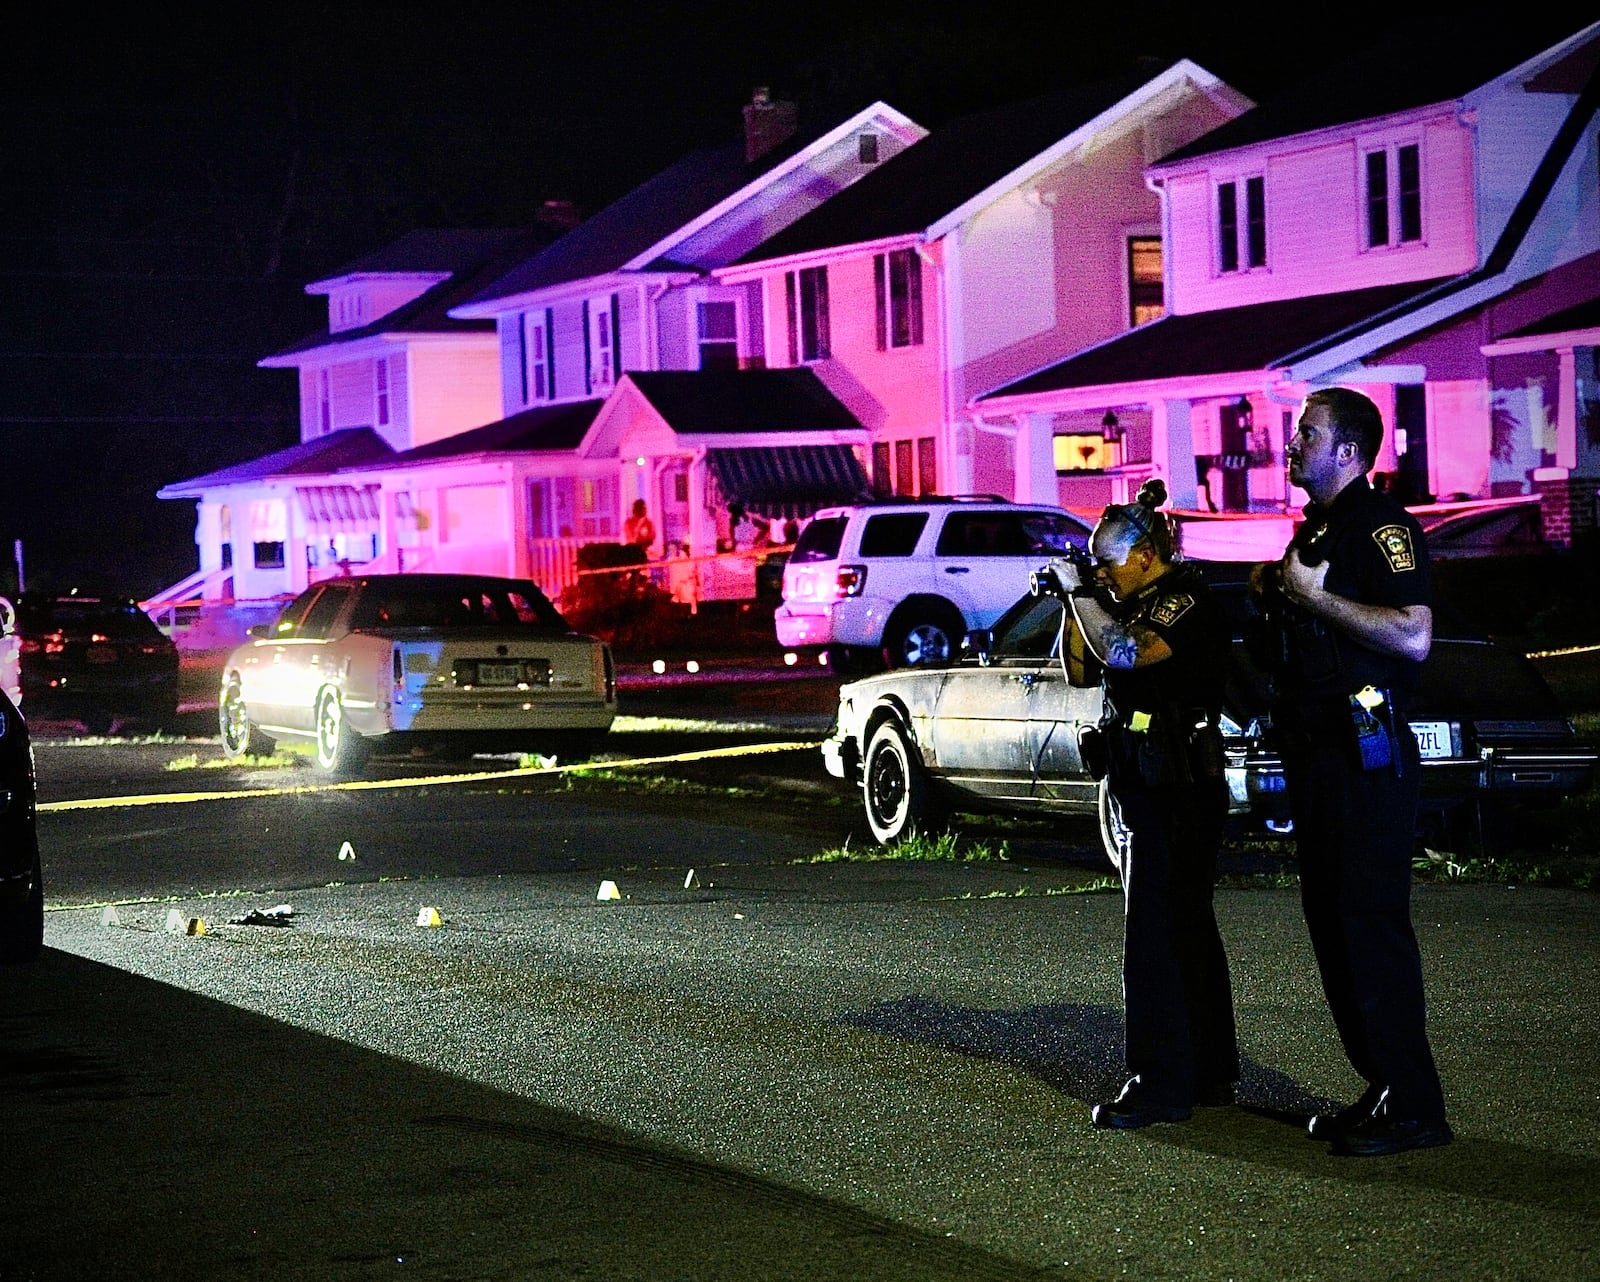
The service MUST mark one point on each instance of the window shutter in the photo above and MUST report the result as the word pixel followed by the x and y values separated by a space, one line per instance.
pixel 550 352
pixel 588 374
pixel 824 349
pixel 880 288
pixel 616 337
pixel 789 302
pixel 914 296
pixel 519 346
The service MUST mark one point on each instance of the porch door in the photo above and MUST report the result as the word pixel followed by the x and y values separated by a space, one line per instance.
pixel 672 508
pixel 1235 460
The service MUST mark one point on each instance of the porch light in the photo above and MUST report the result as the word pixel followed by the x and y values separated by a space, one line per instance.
pixel 639 461
pixel 1110 428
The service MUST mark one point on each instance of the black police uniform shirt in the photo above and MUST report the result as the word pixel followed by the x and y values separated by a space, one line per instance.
pixel 1179 608
pixel 1376 556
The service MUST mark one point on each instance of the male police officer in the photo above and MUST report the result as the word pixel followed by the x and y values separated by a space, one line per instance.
pixel 1164 650
pixel 1349 605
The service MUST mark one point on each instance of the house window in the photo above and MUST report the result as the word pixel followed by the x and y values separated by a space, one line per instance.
pixel 882 477
pixel 324 403
pixel 597 507
pixel 380 389
pixel 1394 196
pixel 269 555
pixel 515 357
pixel 1146 300
pixel 1242 240
pixel 718 326
pixel 1083 452
pixel 806 300
pixel 867 148
pixel 602 367
pixel 897 279
pixel 536 369
pixel 903 481
pixel 927 466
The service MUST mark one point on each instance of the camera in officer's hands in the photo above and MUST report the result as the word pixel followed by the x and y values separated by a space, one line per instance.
pixel 1063 575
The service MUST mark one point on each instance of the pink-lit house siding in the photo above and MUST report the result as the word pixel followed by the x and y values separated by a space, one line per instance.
pixel 1316 214
pixel 1019 274
pixel 454 386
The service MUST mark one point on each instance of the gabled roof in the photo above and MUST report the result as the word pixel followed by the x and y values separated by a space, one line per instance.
pixel 481 257
pixel 608 241
pixel 1258 336
pixel 1418 62
pixel 545 427
pixel 318 456
pixel 913 190
pixel 708 402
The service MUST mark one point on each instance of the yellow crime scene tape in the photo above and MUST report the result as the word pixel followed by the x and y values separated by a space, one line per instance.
pixel 367 785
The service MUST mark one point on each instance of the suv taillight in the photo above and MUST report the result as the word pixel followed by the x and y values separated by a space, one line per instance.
pixel 851 580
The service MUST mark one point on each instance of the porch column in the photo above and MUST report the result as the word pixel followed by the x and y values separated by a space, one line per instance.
pixel 1035 460
pixel 1172 451
pixel 1567 409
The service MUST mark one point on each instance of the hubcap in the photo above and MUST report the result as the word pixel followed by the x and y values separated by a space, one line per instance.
pixel 926 643
pixel 888 784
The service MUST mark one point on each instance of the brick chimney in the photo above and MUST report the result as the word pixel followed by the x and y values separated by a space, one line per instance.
pixel 767 123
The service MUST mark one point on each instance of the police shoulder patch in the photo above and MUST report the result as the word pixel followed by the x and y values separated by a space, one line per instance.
pixel 1170 608
pixel 1395 540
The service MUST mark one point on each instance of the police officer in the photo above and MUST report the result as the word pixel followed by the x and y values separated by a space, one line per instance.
pixel 1349 627
pixel 1164 647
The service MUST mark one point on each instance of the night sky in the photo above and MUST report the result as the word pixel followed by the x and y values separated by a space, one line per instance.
pixel 171 183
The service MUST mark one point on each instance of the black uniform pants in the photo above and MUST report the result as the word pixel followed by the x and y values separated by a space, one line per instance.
pixel 1354 831
pixel 1176 991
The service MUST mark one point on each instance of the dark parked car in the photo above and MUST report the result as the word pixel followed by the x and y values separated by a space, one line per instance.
pixel 1495 529
pixel 998 730
pixel 95 659
pixel 21 883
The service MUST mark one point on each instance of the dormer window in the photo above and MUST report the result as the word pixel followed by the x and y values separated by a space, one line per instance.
pixel 1394 196
pixel 1242 232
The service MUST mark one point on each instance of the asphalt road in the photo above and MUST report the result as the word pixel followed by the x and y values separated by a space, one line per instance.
pixel 779 1070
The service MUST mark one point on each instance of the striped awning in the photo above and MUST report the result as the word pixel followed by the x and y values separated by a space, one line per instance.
pixel 339 509
pixel 786 482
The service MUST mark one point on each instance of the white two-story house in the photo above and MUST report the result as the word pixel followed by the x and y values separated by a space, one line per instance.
pixel 1395 224
pixel 392 371
pixel 1003 241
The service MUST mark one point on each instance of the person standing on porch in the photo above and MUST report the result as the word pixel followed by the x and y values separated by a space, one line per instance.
pixel 639 530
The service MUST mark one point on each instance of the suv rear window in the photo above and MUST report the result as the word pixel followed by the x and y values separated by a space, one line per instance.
pixel 820 540
pixel 892 534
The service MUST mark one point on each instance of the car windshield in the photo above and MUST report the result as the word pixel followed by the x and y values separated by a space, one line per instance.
pixel 1030 629
pixel 460 605
pixel 115 620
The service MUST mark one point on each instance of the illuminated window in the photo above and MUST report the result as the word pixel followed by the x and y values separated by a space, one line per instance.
pixel 806 302
pixel 897 280
pixel 1394 196
pixel 1085 453
pixel 1242 240
pixel 718 328
pixel 1146 300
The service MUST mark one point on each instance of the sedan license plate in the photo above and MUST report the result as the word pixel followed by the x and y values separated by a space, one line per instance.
pixel 1433 738
pixel 500 674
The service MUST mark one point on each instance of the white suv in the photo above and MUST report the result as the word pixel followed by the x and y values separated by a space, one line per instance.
pixel 902 581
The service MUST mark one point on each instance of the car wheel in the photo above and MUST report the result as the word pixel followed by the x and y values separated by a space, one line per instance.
pixel 22 922
pixel 340 750
pixel 922 640
pixel 1113 832
pixel 896 790
pixel 239 737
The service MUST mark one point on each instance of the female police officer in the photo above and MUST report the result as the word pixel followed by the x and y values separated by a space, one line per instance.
pixel 1164 647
